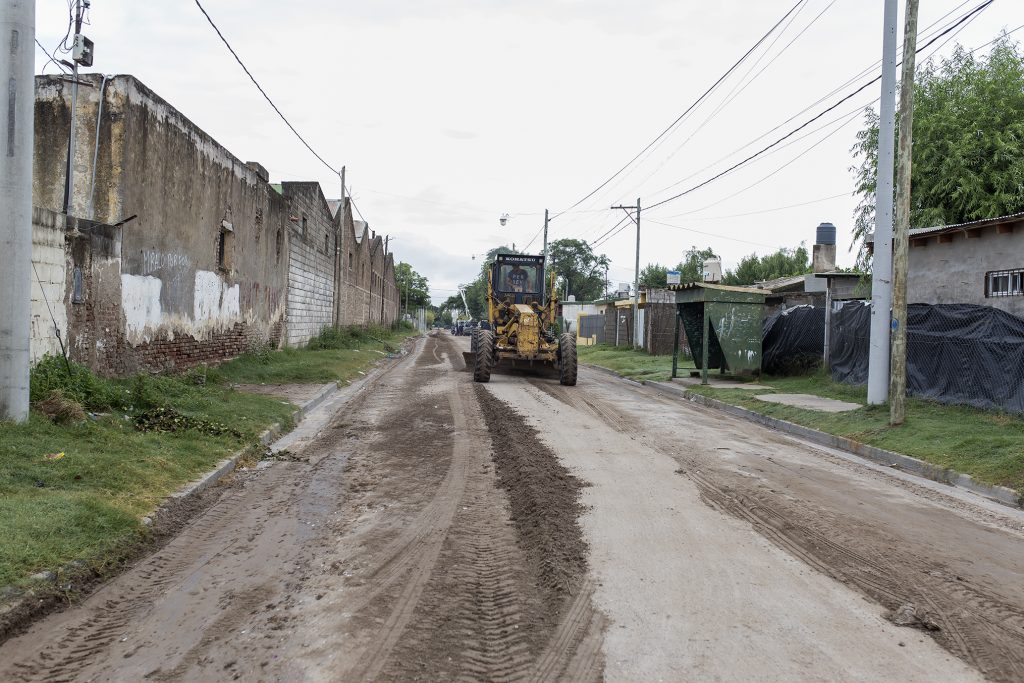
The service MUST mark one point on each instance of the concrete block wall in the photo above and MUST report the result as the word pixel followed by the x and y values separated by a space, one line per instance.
pixel 951 270
pixel 311 263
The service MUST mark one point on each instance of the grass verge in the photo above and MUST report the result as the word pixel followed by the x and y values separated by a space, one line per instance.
pixel 987 445
pixel 633 364
pixel 77 490
pixel 333 356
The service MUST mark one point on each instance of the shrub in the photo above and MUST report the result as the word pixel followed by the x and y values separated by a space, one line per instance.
pixel 74 382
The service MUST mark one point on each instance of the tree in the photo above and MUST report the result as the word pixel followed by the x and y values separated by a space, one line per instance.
pixel 968 142
pixel 578 268
pixel 653 276
pixel 691 268
pixel 412 287
pixel 754 268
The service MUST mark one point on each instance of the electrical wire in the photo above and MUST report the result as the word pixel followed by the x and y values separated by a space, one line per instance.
pixel 260 88
pixel 690 108
pixel 966 18
pixel 63 69
pixel 924 35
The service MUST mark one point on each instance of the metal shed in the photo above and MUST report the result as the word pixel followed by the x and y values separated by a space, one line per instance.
pixel 729 317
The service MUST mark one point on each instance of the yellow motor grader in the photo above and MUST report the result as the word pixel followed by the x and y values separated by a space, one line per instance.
pixel 522 323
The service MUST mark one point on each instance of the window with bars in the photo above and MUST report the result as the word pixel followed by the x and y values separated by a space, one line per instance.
pixel 1004 283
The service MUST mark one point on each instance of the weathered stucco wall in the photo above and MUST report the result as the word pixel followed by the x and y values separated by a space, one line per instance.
pixel 953 271
pixel 210 260
pixel 204 263
pixel 368 275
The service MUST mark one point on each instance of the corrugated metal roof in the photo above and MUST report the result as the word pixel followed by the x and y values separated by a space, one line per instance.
pixel 709 285
pixel 982 223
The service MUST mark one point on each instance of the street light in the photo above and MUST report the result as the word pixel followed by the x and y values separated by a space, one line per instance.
pixel 504 219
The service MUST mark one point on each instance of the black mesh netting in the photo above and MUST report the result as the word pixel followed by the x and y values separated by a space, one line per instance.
pixel 956 353
pixel 792 340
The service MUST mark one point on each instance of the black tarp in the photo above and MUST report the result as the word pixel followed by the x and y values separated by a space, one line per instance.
pixel 793 340
pixel 956 353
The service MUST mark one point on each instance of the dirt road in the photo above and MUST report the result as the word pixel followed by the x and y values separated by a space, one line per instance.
pixel 429 532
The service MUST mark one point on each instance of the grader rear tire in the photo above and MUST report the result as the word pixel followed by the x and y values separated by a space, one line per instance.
pixel 483 358
pixel 567 360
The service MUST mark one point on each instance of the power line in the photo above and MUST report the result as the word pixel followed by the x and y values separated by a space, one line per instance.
pixel 260 88
pixel 821 99
pixel 688 109
pixel 772 210
pixel 967 17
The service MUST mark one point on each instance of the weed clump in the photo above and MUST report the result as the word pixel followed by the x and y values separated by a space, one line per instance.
pixel 61 410
pixel 166 420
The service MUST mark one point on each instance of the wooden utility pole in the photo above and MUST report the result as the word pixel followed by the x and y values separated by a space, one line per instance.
pixel 383 280
pixel 901 235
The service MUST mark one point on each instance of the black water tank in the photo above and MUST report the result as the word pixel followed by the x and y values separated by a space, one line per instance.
pixel 826 234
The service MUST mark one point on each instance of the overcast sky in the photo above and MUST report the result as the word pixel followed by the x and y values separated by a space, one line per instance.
pixel 449 113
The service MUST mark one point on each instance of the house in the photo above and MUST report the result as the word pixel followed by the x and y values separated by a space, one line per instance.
pixel 981 262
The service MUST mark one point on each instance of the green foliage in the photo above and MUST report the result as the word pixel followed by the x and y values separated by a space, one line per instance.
pixel 968 153
pixel 754 268
pixel 87 505
pixel 653 276
pixel 579 269
pixel 350 337
pixel 691 269
pixel 79 384
pixel 413 288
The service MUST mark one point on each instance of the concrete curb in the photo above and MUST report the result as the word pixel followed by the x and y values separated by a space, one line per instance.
pixel 228 465
pixel 223 468
pixel 905 463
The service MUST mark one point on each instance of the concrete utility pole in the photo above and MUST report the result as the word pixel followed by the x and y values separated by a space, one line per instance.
pixel 881 268
pixel 69 183
pixel 898 381
pixel 636 274
pixel 17 37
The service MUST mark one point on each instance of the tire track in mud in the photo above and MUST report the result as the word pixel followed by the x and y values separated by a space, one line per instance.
pixel 970 621
pixel 91 630
pixel 487 582
pixel 87 637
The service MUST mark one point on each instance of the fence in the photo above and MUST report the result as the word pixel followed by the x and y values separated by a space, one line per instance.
pixel 660 323
pixel 956 353
pixel 590 330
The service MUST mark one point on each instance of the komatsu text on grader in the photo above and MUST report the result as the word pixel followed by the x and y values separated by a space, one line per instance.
pixel 522 322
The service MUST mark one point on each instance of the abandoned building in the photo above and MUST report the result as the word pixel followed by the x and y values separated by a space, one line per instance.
pixel 168 251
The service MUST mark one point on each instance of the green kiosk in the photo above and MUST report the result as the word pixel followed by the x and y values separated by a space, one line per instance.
pixel 730 318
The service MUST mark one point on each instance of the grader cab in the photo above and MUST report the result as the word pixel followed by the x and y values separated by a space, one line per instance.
pixel 522 323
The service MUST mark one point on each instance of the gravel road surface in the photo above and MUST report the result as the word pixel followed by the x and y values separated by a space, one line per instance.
pixel 435 529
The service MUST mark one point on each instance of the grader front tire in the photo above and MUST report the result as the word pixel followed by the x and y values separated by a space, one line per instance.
pixel 483 358
pixel 567 360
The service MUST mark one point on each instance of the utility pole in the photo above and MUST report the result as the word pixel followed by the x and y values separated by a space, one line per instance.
pixel 898 380
pixel 636 275
pixel 69 184
pixel 383 280
pixel 881 268
pixel 17 36
pixel 545 252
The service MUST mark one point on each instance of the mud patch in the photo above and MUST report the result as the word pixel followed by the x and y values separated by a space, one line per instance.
pixel 544 498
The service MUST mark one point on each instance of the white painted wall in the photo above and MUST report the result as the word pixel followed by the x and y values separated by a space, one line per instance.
pixel 140 302
pixel 49 284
